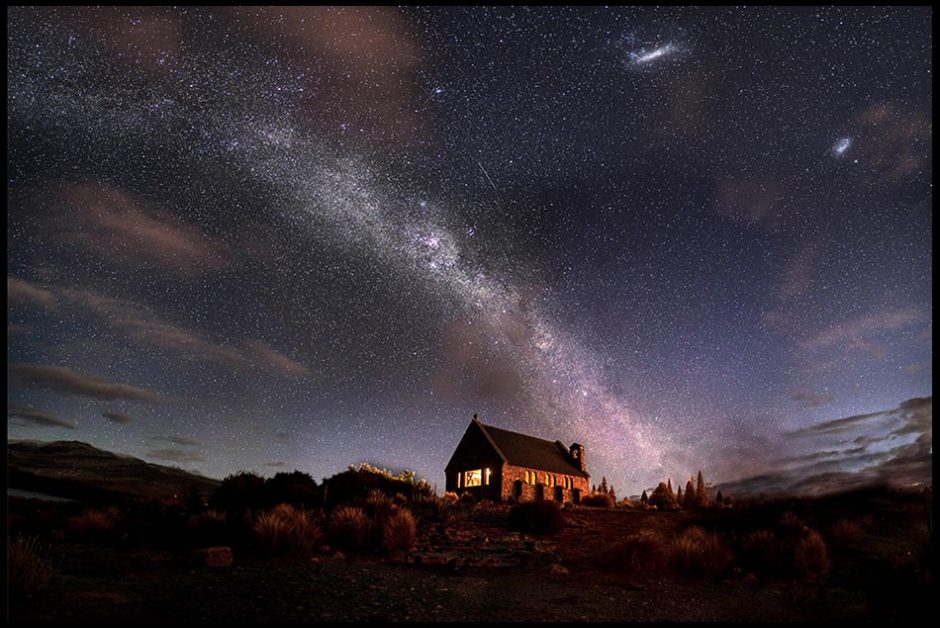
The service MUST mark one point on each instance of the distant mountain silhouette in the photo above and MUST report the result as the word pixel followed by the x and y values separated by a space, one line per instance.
pixel 79 470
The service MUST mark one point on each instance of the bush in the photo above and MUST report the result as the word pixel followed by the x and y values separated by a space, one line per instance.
pixel 467 498
pixel 378 506
pixel 598 500
pixel 240 492
pixel 451 497
pixel 296 488
pixel 400 533
pixel 697 552
pixel 28 569
pixel 538 517
pixel 95 525
pixel 349 528
pixel 643 552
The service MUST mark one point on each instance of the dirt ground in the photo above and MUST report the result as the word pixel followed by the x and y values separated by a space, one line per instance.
pixel 114 585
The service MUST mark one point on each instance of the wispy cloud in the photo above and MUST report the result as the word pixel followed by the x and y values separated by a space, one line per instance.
pixel 117 417
pixel 65 380
pixel 267 355
pixel 125 228
pixel 811 398
pixel 854 330
pixel 21 291
pixel 29 416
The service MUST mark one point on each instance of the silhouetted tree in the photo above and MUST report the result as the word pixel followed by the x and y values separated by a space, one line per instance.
pixel 719 498
pixel 701 493
pixel 679 497
pixel 296 488
pixel 663 497
pixel 239 492
pixel 603 487
pixel 644 499
pixel 612 493
pixel 689 495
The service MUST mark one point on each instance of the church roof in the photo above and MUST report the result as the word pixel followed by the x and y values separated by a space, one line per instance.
pixel 522 450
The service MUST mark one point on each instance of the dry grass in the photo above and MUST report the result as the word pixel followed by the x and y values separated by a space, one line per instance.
pixel 400 532
pixel 782 552
pixel 643 552
pixel 95 525
pixel 28 569
pixel 349 528
pixel 286 528
pixel 697 552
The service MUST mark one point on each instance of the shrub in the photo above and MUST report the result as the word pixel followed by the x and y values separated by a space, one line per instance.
pixel 286 528
pixel 697 552
pixel 400 532
pixel 451 497
pixel 761 551
pixel 599 500
pixel 538 517
pixel 349 528
pixel 95 525
pixel 378 506
pixel 28 568
pixel 400 499
pixel 643 552
pixel 296 488
pixel 467 498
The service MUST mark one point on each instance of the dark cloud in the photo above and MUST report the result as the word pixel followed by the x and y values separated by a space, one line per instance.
pixel 275 465
pixel 29 416
pixel 179 440
pixel 65 380
pixel 117 417
pixel 175 455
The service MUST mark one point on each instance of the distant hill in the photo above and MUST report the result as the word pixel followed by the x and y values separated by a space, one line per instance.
pixel 80 471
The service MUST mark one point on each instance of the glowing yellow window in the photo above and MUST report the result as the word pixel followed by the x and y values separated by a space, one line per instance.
pixel 486 476
pixel 473 478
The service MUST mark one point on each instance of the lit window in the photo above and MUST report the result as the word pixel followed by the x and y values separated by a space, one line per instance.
pixel 473 478
pixel 486 476
pixel 459 476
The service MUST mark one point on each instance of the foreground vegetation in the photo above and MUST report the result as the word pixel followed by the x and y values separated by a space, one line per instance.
pixel 874 547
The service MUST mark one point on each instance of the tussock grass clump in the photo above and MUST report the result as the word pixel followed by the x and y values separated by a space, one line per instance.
pixel 845 533
pixel 811 557
pixel 400 532
pixel 538 517
pixel 207 528
pixel 598 500
pixel 28 568
pixel 643 552
pixel 786 551
pixel 697 552
pixel 286 528
pixel 349 528
pixel 95 525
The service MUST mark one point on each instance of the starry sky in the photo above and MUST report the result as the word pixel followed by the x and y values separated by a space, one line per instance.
pixel 306 237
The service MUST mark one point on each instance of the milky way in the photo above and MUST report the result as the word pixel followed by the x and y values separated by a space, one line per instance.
pixel 278 237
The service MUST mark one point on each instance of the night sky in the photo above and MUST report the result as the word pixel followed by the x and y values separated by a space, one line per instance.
pixel 285 237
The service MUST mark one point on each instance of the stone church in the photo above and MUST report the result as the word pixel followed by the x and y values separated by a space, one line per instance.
pixel 493 463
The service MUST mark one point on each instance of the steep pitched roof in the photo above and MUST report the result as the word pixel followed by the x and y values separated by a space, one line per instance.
pixel 528 451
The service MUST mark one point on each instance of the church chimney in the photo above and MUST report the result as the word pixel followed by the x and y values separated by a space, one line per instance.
pixel 577 455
